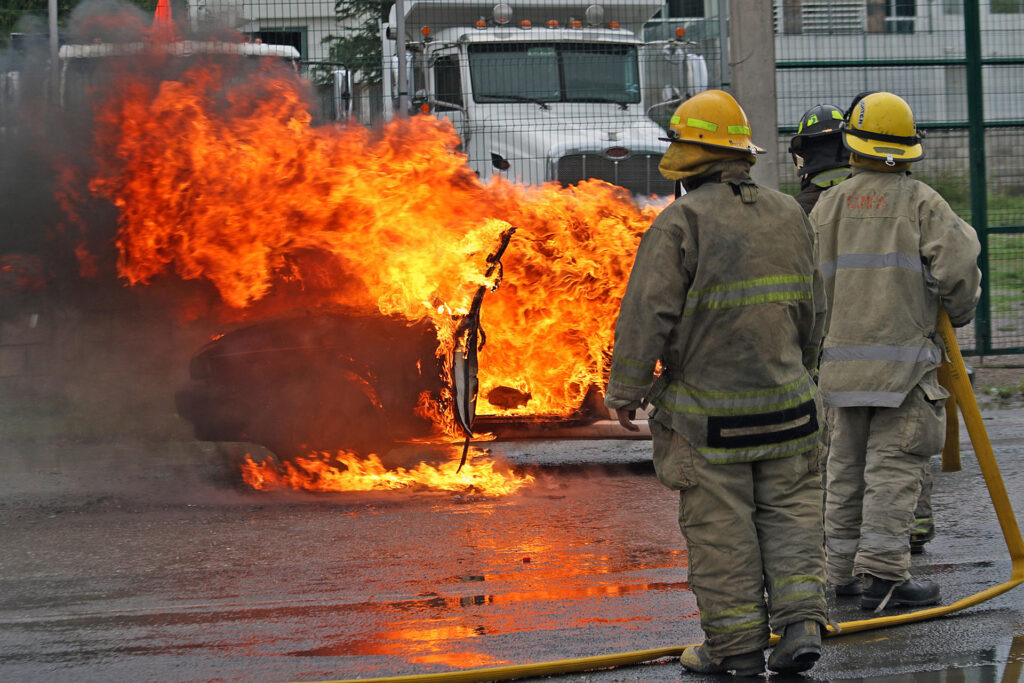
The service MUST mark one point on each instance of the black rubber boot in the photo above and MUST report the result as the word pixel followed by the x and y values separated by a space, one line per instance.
pixel 882 593
pixel 798 649
pixel 696 659
pixel 850 590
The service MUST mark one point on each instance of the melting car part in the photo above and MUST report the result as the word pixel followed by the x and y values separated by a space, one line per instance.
pixel 469 339
pixel 327 381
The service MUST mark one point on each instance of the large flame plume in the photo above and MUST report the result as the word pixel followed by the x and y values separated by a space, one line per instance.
pixel 227 180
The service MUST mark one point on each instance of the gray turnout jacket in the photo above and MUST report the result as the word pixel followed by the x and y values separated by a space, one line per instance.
pixel 725 293
pixel 891 250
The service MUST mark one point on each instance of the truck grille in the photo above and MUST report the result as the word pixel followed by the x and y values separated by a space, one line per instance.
pixel 639 173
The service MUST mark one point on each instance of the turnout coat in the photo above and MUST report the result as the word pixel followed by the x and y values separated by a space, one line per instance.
pixel 725 293
pixel 891 251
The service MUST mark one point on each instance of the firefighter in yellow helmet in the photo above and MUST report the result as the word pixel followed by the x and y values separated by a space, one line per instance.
pixel 724 293
pixel 891 251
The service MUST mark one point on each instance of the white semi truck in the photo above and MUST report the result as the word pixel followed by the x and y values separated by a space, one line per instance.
pixel 543 90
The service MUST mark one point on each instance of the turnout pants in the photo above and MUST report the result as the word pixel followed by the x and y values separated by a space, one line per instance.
pixel 750 528
pixel 876 462
pixel 924 520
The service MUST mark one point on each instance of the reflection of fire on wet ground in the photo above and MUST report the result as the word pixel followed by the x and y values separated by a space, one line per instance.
pixel 219 176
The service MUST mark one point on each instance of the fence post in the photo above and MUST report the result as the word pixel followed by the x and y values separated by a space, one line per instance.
pixel 979 184
pixel 752 63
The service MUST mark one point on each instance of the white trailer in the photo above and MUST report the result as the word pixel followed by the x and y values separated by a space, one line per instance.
pixel 541 90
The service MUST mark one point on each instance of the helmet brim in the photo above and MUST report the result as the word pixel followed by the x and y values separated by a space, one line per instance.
pixel 876 149
pixel 752 149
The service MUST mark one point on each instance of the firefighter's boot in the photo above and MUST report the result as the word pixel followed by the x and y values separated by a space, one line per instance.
pixel 798 649
pixel 849 590
pixel 882 593
pixel 696 659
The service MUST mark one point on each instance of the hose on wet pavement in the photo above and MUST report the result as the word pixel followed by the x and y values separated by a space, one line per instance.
pixel 964 395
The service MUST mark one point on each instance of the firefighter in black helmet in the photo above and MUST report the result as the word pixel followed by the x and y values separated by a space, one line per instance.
pixel 819 155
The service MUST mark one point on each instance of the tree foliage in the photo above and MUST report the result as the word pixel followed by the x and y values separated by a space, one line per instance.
pixel 358 46
pixel 33 15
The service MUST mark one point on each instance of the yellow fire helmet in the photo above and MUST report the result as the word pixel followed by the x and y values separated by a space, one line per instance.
pixel 880 125
pixel 712 118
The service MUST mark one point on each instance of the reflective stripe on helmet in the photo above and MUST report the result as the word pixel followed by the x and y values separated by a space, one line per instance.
pixel 705 125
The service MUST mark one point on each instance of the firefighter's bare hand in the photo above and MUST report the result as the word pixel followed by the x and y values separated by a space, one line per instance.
pixel 626 418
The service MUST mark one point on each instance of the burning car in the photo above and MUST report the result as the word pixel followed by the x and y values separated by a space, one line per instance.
pixel 387 235
pixel 325 381
pixel 343 380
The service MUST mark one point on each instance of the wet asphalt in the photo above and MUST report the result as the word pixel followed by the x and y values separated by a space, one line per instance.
pixel 147 562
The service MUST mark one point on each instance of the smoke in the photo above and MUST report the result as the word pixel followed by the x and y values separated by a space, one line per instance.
pixel 84 359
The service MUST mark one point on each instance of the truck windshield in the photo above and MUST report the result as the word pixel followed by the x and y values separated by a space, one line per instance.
pixel 554 72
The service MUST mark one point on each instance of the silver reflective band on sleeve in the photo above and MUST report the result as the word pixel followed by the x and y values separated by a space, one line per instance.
pixel 876 261
pixel 631 373
pixel 901 354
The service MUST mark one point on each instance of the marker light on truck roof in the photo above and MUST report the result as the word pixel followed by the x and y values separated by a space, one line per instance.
pixel 616 152
pixel 680 32
pixel 425 31
pixel 525 24
pixel 480 23
pixel 575 23
pixel 552 23
pixel 502 13
pixel 613 24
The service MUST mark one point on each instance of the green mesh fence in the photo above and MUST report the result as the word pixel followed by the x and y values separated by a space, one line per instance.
pixel 923 52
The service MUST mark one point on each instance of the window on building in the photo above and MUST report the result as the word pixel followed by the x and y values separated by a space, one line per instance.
pixel 899 16
pixel 952 6
pixel 448 81
pixel 819 16
pixel 685 8
pixel 1007 7
pixel 296 37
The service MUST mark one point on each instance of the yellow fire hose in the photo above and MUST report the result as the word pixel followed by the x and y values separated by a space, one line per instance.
pixel 957 381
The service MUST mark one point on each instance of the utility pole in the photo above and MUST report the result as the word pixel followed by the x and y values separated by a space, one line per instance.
pixel 54 48
pixel 752 66
pixel 400 52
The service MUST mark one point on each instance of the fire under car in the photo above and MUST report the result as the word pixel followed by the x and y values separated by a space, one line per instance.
pixel 339 380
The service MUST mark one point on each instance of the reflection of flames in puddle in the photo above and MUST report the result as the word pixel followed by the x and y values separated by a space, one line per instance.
pixel 323 472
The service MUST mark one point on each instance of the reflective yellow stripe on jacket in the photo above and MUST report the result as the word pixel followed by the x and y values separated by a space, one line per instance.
pixel 749 292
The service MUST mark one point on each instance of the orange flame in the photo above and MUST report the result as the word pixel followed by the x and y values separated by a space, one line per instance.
pixel 163 28
pixel 349 472
pixel 227 180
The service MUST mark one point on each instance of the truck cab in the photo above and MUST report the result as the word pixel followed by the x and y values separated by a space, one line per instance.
pixel 538 91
